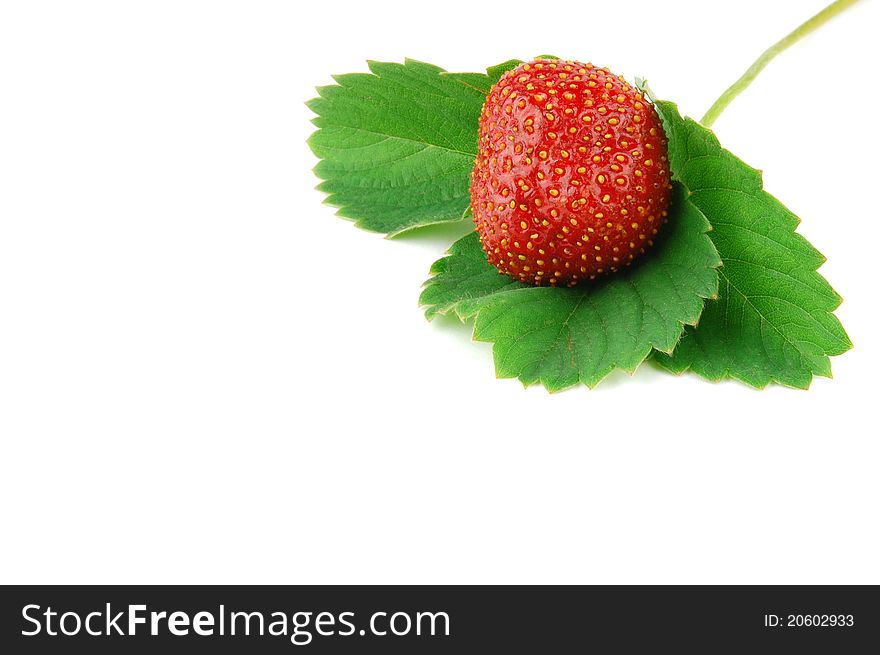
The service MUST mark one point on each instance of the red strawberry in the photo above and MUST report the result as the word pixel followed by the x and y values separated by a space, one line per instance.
pixel 572 179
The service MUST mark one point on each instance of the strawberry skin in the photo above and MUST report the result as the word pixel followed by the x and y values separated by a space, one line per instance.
pixel 571 180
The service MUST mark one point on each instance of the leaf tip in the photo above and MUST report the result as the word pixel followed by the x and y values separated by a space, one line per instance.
pixel 311 102
pixel 331 202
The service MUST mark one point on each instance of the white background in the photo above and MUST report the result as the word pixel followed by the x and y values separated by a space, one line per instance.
pixel 207 377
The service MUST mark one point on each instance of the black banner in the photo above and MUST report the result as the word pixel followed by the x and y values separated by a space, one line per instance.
pixel 446 619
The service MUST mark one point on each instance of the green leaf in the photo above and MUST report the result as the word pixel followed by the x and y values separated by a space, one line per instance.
pixel 397 146
pixel 773 321
pixel 483 82
pixel 560 337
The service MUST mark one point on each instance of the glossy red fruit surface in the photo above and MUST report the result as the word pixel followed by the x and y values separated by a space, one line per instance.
pixel 571 180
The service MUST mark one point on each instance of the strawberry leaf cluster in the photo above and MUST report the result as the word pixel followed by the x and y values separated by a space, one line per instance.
pixel 730 289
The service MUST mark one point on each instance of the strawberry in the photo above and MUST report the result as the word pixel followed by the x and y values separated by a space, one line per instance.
pixel 572 180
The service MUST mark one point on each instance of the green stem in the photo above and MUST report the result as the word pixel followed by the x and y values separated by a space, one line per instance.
pixel 739 86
